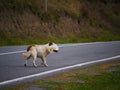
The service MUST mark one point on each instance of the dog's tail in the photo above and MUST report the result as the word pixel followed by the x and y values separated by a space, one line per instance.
pixel 27 55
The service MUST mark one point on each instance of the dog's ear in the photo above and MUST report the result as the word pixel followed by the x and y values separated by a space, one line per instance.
pixel 29 47
pixel 50 43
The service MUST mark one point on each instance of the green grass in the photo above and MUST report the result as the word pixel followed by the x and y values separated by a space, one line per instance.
pixel 98 77
pixel 106 81
pixel 22 39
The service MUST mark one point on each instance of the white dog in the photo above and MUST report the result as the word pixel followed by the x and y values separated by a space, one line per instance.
pixel 40 51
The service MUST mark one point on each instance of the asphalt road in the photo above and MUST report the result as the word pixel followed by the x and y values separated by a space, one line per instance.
pixel 12 68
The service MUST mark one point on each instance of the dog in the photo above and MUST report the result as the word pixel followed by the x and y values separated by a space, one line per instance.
pixel 40 51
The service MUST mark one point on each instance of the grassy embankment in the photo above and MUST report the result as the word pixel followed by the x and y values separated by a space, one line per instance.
pixel 98 77
pixel 66 21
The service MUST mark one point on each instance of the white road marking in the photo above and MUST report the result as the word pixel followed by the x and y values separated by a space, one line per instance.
pixel 12 52
pixel 66 45
pixel 56 70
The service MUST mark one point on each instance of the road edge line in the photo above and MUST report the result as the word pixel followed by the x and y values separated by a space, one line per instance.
pixel 56 70
pixel 65 45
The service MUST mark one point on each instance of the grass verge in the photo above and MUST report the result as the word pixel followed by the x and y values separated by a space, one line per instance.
pixel 98 77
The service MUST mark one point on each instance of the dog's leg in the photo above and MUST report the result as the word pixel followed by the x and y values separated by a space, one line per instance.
pixel 34 56
pixel 34 59
pixel 34 64
pixel 25 63
pixel 44 61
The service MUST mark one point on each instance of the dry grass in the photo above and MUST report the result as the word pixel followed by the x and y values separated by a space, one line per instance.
pixel 65 21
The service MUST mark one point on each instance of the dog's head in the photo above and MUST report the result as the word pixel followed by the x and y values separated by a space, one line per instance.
pixel 53 47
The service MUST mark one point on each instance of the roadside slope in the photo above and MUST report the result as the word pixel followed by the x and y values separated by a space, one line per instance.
pixel 66 21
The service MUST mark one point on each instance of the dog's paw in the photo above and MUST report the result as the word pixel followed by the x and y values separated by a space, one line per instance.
pixel 35 65
pixel 25 65
pixel 45 65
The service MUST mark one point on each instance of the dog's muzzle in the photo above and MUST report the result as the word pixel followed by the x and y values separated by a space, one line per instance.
pixel 55 50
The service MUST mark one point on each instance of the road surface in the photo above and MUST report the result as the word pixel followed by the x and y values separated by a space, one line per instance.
pixel 12 70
